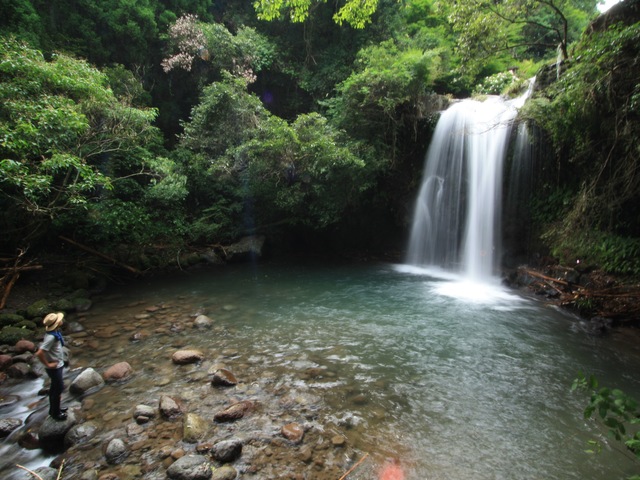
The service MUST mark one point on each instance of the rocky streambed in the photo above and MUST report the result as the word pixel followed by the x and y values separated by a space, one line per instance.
pixel 161 391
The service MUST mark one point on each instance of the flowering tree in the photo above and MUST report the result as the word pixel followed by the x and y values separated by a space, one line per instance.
pixel 242 54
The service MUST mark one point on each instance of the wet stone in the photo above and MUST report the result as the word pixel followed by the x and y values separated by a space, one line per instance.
pixel 293 432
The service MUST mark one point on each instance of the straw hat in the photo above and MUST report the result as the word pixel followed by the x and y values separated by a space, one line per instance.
pixel 52 321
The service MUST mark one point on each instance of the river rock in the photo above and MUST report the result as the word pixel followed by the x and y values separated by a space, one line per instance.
pixel 247 248
pixel 52 432
pixel 183 357
pixel 44 473
pixel 226 472
pixel 117 372
pixel 193 428
pixel 223 378
pixel 293 432
pixel 143 413
pixel 5 361
pixel 202 321
pixel 8 425
pixel 234 412
pixel 29 440
pixel 75 327
pixel 190 467
pixel 227 451
pixel 19 370
pixel 170 408
pixel 24 346
pixel 79 434
pixel 24 357
pixel 116 451
pixel 87 380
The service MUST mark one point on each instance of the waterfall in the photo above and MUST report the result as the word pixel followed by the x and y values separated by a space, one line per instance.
pixel 456 221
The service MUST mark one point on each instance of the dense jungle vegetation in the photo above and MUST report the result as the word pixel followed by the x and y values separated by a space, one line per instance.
pixel 146 129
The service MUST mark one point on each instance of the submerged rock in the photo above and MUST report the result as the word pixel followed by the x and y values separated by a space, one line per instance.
pixel 183 357
pixel 190 467
pixel 293 432
pixel 234 412
pixel 193 428
pixel 227 451
pixel 223 378
pixel 117 372
pixel 170 408
pixel 116 451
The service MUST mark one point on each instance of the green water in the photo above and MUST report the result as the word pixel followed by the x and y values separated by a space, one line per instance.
pixel 452 382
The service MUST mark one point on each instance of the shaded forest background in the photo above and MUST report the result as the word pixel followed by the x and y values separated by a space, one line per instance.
pixel 150 129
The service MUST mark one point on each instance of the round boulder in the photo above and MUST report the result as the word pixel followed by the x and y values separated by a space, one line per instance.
pixel 79 434
pixel 225 472
pixel 117 372
pixel 202 321
pixel 52 432
pixel 116 451
pixel 87 380
pixel 24 346
pixel 227 451
pixel 293 432
pixel 169 407
pixel 183 357
pixel 190 467
pixel 193 428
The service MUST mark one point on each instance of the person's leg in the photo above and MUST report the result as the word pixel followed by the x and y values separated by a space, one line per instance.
pixel 55 390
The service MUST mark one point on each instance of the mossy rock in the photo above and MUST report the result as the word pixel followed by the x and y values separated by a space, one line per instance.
pixel 38 309
pixel 28 324
pixel 63 305
pixel 11 335
pixel 7 319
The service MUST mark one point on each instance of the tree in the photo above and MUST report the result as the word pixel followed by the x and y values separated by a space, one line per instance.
pixel 268 170
pixel 60 127
pixel 356 13
pixel 516 28
pixel 388 91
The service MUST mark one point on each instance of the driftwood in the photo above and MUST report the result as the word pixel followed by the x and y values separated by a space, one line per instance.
pixel 618 301
pixel 101 255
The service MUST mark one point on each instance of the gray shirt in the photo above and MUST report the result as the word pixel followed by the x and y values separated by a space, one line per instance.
pixel 53 349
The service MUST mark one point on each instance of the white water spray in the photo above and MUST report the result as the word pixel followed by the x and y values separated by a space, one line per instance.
pixel 456 220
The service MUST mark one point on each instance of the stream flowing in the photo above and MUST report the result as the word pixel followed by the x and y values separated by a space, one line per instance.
pixel 452 379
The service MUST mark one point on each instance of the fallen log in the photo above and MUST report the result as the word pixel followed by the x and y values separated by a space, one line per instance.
pixel 101 255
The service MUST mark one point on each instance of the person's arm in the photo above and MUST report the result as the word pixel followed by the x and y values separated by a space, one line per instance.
pixel 43 359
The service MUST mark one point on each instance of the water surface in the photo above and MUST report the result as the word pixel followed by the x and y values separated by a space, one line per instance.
pixel 454 384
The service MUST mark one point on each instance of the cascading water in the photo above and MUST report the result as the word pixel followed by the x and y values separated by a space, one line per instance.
pixel 457 212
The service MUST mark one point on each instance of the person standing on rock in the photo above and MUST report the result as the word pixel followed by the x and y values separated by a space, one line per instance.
pixel 51 354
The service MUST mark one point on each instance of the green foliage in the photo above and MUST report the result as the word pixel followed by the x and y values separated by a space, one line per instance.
pixel 225 117
pixel 589 115
pixel 516 29
pixel 390 86
pixel 612 253
pixel 617 411
pixel 59 122
pixel 356 13
pixel 303 173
